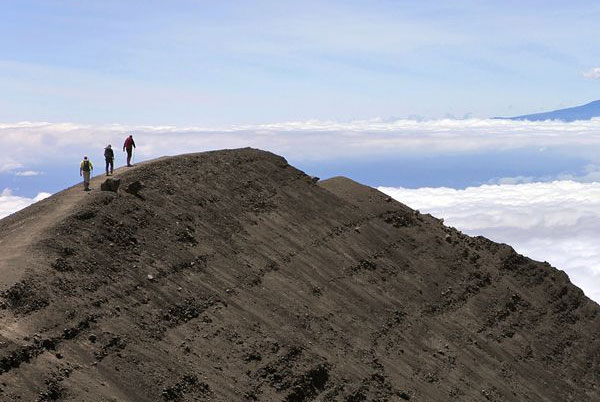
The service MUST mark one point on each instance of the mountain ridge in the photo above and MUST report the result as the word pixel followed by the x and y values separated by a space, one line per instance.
pixel 231 275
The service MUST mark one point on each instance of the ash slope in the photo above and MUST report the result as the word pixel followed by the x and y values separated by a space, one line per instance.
pixel 267 286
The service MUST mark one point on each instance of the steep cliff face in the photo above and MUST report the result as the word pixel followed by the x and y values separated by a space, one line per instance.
pixel 233 276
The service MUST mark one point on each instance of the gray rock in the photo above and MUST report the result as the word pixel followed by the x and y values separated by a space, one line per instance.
pixel 110 184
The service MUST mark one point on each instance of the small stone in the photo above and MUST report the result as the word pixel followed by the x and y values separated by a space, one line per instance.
pixel 59 355
pixel 150 277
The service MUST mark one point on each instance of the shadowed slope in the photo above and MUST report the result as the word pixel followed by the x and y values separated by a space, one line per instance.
pixel 233 276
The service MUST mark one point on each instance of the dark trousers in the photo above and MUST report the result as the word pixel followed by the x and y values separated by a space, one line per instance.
pixel 129 152
pixel 111 163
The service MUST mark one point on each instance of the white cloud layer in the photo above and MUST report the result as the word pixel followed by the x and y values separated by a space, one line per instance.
pixel 558 222
pixel 308 140
pixel 594 73
pixel 10 203
pixel 27 173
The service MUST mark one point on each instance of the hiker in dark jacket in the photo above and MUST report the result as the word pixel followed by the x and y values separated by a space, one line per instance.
pixel 85 170
pixel 129 145
pixel 109 156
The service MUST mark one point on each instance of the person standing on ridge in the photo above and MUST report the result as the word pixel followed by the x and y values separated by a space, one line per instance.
pixel 109 156
pixel 129 145
pixel 85 170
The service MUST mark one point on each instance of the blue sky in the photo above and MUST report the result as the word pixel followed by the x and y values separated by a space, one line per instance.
pixel 230 62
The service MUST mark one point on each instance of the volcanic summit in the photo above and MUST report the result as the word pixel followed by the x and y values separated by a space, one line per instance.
pixel 233 276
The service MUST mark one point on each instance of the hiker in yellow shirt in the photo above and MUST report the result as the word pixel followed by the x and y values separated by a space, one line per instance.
pixel 85 170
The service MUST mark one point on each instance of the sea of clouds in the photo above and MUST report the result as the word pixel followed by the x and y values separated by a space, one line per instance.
pixel 312 140
pixel 553 218
pixel 10 203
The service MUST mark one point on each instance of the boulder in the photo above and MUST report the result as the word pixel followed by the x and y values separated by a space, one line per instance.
pixel 110 184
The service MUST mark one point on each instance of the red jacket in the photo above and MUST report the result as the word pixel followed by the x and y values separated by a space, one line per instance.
pixel 129 143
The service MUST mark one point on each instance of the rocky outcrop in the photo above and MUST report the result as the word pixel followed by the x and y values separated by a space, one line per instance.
pixel 111 184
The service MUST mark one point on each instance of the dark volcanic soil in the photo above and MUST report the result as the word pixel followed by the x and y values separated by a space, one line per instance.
pixel 232 276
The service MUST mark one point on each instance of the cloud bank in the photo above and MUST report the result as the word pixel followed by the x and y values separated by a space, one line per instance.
pixel 309 140
pixel 558 222
pixel 10 203
pixel 27 173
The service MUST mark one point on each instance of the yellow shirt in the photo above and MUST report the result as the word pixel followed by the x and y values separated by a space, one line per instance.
pixel 90 162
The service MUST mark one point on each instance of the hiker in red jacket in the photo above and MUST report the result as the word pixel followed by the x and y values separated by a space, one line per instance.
pixel 129 145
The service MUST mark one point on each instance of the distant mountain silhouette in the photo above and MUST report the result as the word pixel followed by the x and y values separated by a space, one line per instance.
pixel 584 112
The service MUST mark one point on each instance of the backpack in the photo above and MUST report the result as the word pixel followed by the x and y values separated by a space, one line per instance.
pixel 86 166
